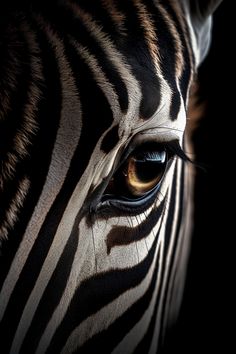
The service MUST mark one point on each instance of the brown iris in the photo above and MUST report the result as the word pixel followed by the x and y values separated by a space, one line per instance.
pixel 144 172
pixel 139 175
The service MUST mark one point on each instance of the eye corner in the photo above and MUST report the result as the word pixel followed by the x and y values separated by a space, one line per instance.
pixel 174 149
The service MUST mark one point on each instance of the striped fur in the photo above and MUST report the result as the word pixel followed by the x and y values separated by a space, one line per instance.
pixel 80 83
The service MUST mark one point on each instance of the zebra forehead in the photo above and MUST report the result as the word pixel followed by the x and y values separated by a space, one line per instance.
pixel 138 39
pixel 144 49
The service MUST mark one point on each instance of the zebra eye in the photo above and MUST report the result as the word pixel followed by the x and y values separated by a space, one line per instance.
pixel 141 173
pixel 144 171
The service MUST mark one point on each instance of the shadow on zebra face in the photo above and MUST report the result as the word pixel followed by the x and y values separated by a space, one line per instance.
pixel 95 188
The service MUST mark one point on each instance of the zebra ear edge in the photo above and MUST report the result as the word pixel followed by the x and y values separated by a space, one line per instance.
pixel 200 16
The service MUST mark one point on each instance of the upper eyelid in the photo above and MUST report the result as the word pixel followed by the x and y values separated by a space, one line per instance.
pixel 162 135
pixel 172 146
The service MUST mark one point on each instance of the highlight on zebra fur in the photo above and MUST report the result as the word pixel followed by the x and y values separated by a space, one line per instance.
pixel 95 190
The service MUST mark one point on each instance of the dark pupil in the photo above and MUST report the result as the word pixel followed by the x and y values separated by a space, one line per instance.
pixel 146 171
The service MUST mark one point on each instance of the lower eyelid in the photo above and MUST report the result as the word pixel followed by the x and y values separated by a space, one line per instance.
pixel 117 207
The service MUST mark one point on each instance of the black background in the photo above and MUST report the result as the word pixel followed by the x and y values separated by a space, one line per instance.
pixel 207 318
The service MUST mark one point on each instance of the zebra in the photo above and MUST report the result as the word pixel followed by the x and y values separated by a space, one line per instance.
pixel 95 184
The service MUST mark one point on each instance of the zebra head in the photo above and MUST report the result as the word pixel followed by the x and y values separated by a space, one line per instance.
pixel 95 194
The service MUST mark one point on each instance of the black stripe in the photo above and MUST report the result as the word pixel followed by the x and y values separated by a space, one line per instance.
pixel 102 17
pixel 17 95
pixel 48 117
pixel 186 75
pixel 167 50
pixel 110 139
pixel 180 207
pixel 171 208
pixel 9 126
pixel 51 298
pixel 105 341
pixel 13 121
pixel 146 342
pixel 123 235
pixel 97 113
pixel 136 51
pixel 96 292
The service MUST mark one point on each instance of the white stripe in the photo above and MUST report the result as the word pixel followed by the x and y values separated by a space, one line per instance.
pixel 130 341
pixel 101 80
pixel 107 315
pixel 154 344
pixel 194 44
pixel 83 266
pixel 177 278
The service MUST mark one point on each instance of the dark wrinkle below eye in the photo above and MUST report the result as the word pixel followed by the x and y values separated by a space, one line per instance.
pixel 123 235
